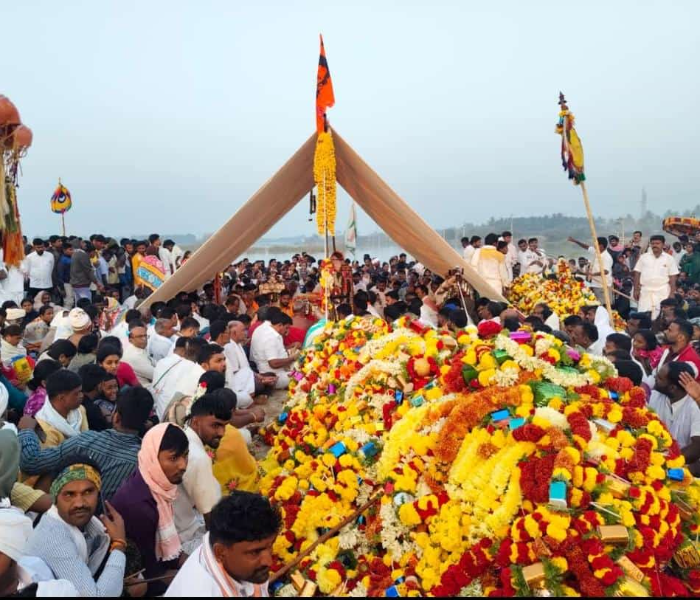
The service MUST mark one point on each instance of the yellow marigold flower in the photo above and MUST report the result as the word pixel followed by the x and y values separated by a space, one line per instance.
pixel 409 516
pixel 676 463
pixel 556 403
pixel 655 472
pixel 433 393
pixel 469 358
pixel 555 532
pixel 486 377
pixel 510 364
pixel 560 563
pixel 615 415
pixel 576 497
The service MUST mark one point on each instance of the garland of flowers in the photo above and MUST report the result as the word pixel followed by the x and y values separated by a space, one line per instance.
pixel 324 177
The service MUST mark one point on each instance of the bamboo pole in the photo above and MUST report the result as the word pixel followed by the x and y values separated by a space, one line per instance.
pixel 325 537
pixel 63 223
pixel 594 235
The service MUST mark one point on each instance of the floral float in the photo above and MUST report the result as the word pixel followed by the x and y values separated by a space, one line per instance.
pixel 501 464
pixel 563 293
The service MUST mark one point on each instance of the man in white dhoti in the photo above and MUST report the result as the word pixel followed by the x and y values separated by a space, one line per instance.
pixel 655 276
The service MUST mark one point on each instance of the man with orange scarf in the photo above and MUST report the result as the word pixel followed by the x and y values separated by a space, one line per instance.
pixel 146 499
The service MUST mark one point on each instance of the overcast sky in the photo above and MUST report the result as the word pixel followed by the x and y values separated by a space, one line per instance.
pixel 168 115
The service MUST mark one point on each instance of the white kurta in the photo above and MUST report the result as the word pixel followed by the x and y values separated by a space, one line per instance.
pixel 165 378
pixel 197 495
pixel 491 265
pixel 682 418
pixel 655 280
pixel 140 362
pixel 267 345
pixel 239 376
pixel 40 270
pixel 194 581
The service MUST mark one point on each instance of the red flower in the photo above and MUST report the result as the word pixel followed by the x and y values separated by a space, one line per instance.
pixel 488 329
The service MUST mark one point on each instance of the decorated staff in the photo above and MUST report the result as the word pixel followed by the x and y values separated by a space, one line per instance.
pixel 15 139
pixel 572 161
pixel 61 202
pixel 324 157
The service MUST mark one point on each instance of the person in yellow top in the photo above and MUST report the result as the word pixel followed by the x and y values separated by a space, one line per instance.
pixel 234 467
pixel 136 261
pixel 62 416
pixel 491 264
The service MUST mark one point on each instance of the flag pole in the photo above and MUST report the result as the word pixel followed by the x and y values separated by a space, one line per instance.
pixel 63 223
pixel 603 275
pixel 591 223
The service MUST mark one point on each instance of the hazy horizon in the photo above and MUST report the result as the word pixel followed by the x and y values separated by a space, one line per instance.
pixel 148 110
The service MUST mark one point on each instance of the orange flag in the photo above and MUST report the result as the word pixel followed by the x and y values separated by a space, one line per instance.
pixel 324 91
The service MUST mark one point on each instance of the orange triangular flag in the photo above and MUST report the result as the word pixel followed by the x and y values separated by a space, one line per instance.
pixel 324 91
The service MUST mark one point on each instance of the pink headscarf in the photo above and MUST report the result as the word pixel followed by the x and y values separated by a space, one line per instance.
pixel 167 539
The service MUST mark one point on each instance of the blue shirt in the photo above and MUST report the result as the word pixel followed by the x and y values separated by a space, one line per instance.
pixel 63 269
pixel 115 453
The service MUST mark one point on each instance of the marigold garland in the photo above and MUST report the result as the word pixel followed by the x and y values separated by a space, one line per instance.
pixel 324 177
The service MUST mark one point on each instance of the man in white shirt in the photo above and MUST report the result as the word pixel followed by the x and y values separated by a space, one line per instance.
pixel 39 266
pixel 176 254
pixel 248 385
pixel 547 315
pixel 267 349
pixel 679 412
pixel 655 276
pixel 595 272
pixel 211 358
pixel 135 353
pixel 235 557
pixel 469 250
pixel 512 256
pixel 199 491
pixel 161 341
pixel 169 370
pixel 491 264
pixel 532 260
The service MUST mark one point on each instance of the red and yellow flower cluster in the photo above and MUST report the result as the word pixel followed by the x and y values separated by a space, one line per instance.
pixel 507 465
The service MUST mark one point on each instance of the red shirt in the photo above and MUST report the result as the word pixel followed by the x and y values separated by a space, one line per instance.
pixel 688 354
pixel 126 376
pixel 295 334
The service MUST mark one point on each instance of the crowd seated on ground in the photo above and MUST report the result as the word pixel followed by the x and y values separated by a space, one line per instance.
pixel 127 426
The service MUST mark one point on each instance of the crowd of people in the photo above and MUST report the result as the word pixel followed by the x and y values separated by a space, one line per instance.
pixel 126 425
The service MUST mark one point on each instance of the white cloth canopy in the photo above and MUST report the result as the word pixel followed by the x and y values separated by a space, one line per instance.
pixel 286 188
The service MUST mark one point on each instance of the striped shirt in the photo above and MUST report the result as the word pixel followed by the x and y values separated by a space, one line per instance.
pixel 115 453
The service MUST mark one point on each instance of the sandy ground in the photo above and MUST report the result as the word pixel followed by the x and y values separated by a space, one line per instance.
pixel 273 409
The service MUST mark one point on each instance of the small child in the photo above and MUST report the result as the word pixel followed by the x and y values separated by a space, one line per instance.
pixel 107 398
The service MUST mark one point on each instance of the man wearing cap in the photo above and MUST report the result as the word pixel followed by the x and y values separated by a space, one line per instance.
pixel 80 324
pixel 20 573
pixel 73 542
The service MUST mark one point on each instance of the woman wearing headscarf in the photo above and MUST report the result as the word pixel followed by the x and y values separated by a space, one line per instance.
pixel 146 499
